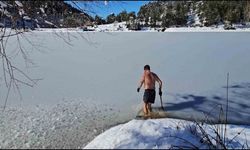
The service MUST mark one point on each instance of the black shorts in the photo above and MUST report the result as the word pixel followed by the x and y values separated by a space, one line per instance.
pixel 149 96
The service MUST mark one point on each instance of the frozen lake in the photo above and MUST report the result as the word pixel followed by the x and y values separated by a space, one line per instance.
pixel 104 69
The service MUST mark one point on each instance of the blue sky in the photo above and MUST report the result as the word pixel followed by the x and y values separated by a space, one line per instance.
pixel 104 8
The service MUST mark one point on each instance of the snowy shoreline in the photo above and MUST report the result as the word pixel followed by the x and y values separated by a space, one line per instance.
pixel 153 31
pixel 122 27
pixel 166 133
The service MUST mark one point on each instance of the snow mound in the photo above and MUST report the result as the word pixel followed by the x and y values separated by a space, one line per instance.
pixel 164 134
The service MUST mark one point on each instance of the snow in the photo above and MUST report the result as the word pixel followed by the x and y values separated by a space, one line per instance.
pixel 115 28
pixel 3 9
pixel 48 22
pixel 18 3
pixel 3 4
pixel 26 18
pixel 165 134
pixel 121 27
pixel 21 12
pixel 42 10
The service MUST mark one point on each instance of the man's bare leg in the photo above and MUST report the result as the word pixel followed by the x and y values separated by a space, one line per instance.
pixel 149 107
pixel 145 110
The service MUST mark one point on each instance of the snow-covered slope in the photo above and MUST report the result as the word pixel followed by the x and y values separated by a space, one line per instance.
pixel 165 134
pixel 122 27
pixel 44 14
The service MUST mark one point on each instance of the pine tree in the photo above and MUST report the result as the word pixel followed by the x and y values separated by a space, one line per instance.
pixel 111 18
pixel 132 15
pixel 246 11
pixel 167 20
pixel 99 20
pixel 124 15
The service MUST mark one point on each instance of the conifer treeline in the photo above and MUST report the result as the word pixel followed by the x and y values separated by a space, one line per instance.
pixel 182 13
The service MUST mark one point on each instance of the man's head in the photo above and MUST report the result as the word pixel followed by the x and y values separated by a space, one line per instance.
pixel 147 67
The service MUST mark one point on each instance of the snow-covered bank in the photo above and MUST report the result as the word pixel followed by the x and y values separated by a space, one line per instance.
pixel 180 29
pixel 121 27
pixel 165 134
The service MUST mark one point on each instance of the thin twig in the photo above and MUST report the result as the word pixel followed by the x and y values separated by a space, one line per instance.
pixel 6 99
pixel 226 108
pixel 235 136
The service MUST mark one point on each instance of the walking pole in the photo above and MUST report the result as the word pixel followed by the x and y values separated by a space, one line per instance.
pixel 161 103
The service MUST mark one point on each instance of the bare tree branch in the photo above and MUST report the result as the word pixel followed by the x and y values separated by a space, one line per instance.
pixel 13 76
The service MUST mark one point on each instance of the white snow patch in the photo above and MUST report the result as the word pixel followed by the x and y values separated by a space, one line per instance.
pixel 2 4
pixel 21 12
pixel 27 18
pixel 164 134
pixel 48 22
pixel 42 10
pixel 121 26
pixel 18 3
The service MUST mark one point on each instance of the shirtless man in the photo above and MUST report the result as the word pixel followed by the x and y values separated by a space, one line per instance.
pixel 148 79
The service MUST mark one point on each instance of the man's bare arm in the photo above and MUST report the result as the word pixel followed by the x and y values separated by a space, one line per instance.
pixel 141 81
pixel 158 80
pixel 160 83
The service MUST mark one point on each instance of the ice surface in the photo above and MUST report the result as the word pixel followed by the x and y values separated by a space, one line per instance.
pixel 67 125
pixel 106 67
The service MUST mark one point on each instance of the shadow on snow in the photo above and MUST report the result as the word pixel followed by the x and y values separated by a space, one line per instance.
pixel 211 107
